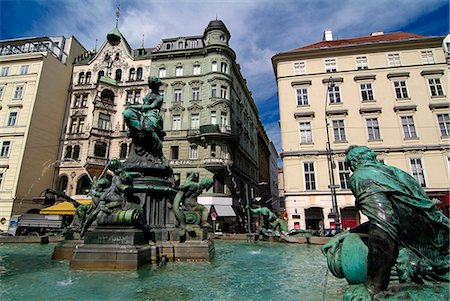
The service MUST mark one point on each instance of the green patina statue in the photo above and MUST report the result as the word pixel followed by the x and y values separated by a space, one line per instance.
pixel 111 202
pixel 145 123
pixel 405 228
pixel 271 222
pixel 185 206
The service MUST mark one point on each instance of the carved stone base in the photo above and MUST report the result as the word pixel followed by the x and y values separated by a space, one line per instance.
pixel 110 248
pixel 439 291
pixel 196 234
pixel 188 251
pixel 64 250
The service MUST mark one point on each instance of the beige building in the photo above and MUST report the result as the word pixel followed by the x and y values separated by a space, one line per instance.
pixel 210 118
pixel 385 91
pixel 34 82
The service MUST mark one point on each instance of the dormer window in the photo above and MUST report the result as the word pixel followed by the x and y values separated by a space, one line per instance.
pixel 116 58
pixel 118 75
pixel 139 73
pixel 132 74
pixel 81 78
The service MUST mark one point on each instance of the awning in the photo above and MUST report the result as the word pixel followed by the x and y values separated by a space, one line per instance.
pixel 224 210
pixel 64 208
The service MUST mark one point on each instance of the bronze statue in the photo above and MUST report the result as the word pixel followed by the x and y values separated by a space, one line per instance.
pixel 145 123
pixel 185 202
pixel 401 216
pixel 271 222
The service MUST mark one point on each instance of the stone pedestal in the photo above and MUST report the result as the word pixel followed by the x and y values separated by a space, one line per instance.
pixel 112 248
pixel 194 250
pixel 64 250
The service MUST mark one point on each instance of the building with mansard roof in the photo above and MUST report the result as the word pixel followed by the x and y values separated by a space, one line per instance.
pixel 386 91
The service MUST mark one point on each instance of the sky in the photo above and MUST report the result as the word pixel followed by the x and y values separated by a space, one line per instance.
pixel 259 28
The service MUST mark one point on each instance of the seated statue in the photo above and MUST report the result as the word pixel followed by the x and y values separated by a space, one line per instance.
pixel 145 123
pixel 185 202
pixel 404 228
pixel 118 196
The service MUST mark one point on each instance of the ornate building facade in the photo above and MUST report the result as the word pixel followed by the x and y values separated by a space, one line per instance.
pixel 386 91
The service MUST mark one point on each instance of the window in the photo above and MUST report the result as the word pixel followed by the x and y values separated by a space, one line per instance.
pixel 139 73
pixel 5 71
pixel 76 125
pixel 366 92
pixel 81 78
pixel 444 124
pixel 361 63
pixel 427 57
pixel 213 90
pixel 219 184
pixel 223 92
pixel 100 149
pixel 100 74
pixel 310 178
pixel 118 75
pixel 12 118
pixel 1 179
pixel 24 69
pixel 4 152
pixel 174 152
pixel 179 71
pixel 223 67
pixel 161 92
pixel 299 67
pixel 213 117
pixel 104 121
pixel 409 130
pixel 435 87
pixel 162 72
pixel 224 118
pixel 193 152
pixel 334 94
pixel 339 130
pixel 129 97
pixel 305 133
pixel 373 129
pixel 137 96
pixel 88 77
pixel 123 151
pixel 176 179
pixel 76 152
pixel 195 121
pixel 176 122
pixel 302 96
pixel 18 92
pixel 2 89
pixel 400 89
pixel 195 93
pixel 132 74
pixel 394 59
pixel 344 174
pixel 196 69
pixel 68 152
pixel 213 151
pixel 224 152
pixel 177 95
pixel 330 65
pixel 417 170
pixel 214 66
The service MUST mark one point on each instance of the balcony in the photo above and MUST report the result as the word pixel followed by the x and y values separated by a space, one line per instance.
pixel 101 132
pixel 216 164
pixel 209 131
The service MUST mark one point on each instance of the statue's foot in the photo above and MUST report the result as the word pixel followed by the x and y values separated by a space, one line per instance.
pixel 358 292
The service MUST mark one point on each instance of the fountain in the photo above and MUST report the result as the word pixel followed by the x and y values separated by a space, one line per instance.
pixel 134 223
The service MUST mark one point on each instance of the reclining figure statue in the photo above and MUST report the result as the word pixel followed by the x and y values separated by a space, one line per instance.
pixel 405 229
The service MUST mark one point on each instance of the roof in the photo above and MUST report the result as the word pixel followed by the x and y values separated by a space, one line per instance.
pixel 388 37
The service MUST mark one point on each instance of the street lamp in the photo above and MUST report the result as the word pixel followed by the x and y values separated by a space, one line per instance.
pixel 335 210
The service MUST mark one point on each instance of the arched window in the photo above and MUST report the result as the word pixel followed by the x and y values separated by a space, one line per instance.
pixel 88 77
pixel 76 152
pixel 123 151
pixel 81 78
pixel 117 57
pixel 83 185
pixel 139 73
pixel 132 74
pixel 118 75
pixel 68 152
pixel 107 96
pixel 100 149
pixel 100 74
pixel 62 183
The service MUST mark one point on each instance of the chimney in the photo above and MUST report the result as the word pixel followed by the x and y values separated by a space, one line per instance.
pixel 327 35
pixel 377 33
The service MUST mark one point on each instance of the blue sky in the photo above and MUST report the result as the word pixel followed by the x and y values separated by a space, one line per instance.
pixel 259 28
